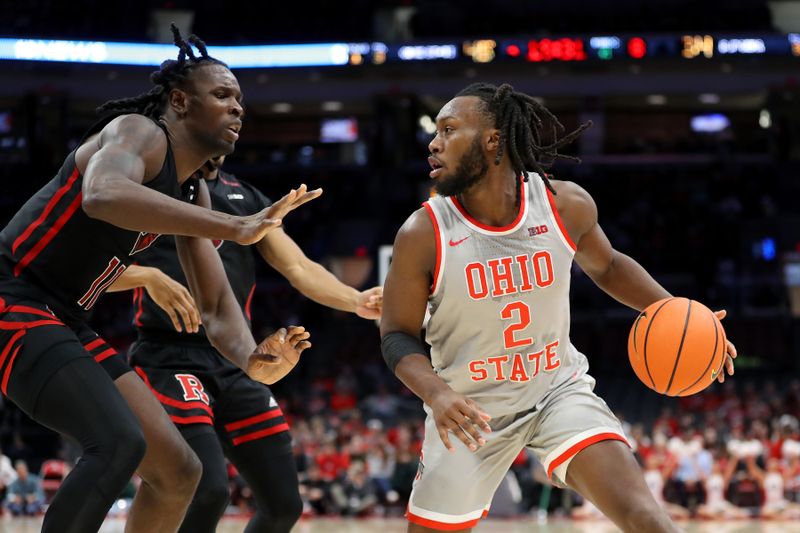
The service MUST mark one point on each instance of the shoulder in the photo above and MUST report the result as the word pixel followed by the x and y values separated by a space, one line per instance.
pixel 575 206
pixel 136 131
pixel 416 238
pixel 417 226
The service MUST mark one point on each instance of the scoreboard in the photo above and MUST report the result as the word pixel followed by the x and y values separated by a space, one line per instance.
pixel 533 49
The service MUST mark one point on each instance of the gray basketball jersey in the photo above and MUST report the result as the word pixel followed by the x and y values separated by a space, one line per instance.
pixel 499 304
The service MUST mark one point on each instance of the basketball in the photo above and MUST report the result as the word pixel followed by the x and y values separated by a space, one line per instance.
pixel 677 346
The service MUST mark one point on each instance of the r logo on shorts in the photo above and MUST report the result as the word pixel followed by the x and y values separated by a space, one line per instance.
pixel 192 388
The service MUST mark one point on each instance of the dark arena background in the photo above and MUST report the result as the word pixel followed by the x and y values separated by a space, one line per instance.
pixel 693 160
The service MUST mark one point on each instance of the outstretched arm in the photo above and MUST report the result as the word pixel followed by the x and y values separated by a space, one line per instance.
pixel 617 274
pixel 223 319
pixel 130 151
pixel 620 276
pixel 313 280
pixel 406 294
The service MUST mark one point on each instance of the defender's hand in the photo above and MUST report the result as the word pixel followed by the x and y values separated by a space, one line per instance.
pixel 730 351
pixel 291 201
pixel 370 303
pixel 278 354
pixel 175 300
pixel 251 229
pixel 454 412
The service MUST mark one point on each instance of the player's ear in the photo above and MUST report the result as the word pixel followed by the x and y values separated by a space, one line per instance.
pixel 493 140
pixel 179 102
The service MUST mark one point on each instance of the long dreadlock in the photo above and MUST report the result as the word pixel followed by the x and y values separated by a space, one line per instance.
pixel 172 74
pixel 523 123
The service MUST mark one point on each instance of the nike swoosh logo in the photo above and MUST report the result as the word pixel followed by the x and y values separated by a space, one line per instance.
pixel 714 374
pixel 456 243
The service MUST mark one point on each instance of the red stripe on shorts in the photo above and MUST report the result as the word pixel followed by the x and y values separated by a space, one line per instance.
pixel 441 526
pixel 575 448
pixel 260 434
pixel 272 413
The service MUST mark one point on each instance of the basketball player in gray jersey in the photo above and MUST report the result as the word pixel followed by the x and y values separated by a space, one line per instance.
pixel 491 258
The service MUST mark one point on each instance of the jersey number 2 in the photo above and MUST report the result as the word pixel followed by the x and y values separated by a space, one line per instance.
pixel 520 313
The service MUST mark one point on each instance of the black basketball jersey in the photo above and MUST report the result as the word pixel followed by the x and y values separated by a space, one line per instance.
pixel 228 195
pixel 51 251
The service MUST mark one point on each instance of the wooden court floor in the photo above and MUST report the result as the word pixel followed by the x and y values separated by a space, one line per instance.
pixel 234 525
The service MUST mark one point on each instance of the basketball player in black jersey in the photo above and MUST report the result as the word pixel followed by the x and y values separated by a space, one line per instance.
pixel 125 184
pixel 216 408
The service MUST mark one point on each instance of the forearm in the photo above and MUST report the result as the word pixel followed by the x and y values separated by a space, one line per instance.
pixel 416 372
pixel 629 283
pixel 228 332
pixel 318 284
pixel 133 277
pixel 132 206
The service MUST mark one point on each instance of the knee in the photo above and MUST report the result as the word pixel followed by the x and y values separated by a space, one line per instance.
pixel 646 517
pixel 286 511
pixel 212 492
pixel 125 448
pixel 184 471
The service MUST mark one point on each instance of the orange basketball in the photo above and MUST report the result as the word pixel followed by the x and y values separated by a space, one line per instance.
pixel 677 346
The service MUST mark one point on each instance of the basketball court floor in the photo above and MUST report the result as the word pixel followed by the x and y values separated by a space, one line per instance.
pixel 234 525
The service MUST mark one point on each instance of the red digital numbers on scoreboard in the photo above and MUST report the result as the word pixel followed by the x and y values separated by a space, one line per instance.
pixel 637 48
pixel 564 49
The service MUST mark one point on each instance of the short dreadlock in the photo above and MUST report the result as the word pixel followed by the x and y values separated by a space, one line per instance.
pixel 172 74
pixel 522 122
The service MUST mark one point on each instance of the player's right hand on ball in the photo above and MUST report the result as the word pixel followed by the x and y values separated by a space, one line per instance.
pixel 455 413
pixel 277 354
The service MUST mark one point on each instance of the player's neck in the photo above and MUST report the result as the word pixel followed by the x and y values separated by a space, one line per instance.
pixel 189 156
pixel 493 200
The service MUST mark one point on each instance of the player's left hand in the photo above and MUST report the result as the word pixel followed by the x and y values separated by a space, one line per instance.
pixel 294 199
pixel 277 355
pixel 730 351
pixel 370 303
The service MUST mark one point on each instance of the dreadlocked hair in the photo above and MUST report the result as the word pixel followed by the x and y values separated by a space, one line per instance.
pixel 523 123
pixel 171 74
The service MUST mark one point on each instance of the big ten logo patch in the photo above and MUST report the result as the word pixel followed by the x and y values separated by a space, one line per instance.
pixel 537 230
pixel 192 388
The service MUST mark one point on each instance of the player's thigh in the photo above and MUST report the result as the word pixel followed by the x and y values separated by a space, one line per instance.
pixel 572 419
pixel 453 490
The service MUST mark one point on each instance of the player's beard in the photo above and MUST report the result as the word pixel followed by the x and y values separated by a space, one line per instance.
pixel 471 169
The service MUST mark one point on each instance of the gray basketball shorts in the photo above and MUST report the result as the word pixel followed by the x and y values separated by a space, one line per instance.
pixel 453 490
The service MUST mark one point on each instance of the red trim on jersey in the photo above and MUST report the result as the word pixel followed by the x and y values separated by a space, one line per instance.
pixel 441 526
pixel 229 183
pixel 105 355
pixel 558 220
pixel 94 344
pixel 249 300
pixel 494 229
pixel 574 449
pixel 436 270
pixel 267 415
pixel 47 209
pixel 260 434
pixel 52 232
pixel 191 420
pixel 166 400
pixel 113 263
pixel 106 284
pixel 28 325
